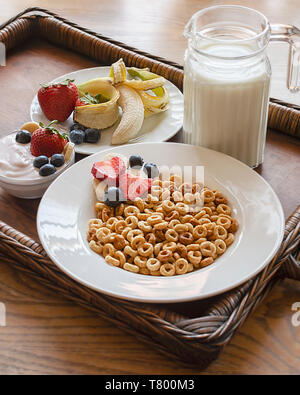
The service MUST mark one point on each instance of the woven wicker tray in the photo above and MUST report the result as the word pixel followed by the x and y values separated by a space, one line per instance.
pixel 191 332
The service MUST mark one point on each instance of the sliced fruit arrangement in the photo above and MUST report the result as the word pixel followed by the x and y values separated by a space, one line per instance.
pixel 118 179
pixel 50 148
pixel 95 103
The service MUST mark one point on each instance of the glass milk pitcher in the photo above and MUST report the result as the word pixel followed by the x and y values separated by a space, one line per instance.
pixel 227 79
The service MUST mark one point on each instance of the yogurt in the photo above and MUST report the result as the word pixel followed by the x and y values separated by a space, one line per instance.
pixel 16 160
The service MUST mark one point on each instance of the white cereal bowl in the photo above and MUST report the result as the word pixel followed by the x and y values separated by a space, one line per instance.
pixel 32 189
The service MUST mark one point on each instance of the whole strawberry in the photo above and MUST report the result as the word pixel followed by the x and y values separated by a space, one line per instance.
pixel 57 101
pixel 47 141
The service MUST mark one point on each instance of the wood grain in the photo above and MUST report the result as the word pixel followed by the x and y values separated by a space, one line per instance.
pixel 47 335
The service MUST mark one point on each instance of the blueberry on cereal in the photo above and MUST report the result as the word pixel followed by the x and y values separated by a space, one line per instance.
pixel 113 197
pixel 136 161
pixel 151 170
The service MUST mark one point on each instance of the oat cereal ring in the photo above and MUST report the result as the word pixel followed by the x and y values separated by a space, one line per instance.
pixel 165 195
pixel 172 215
pixel 120 226
pixel 131 221
pixel 196 188
pixel 150 238
pixel 203 221
pixel 219 232
pixel 168 205
pixel 182 208
pixel 133 233
pixel 194 257
pixel 201 240
pixel 185 188
pixel 143 216
pixel 220 246
pixel 177 196
pixel 189 198
pixel 139 203
pixel 199 231
pixel 137 241
pixel 131 268
pixel 230 239
pixel 167 269
pixel 130 251
pixel 171 235
pixel 110 223
pixel 234 226
pixel 190 227
pixel 140 261
pixel 220 199
pixel 154 219
pixel 106 213
pixel 145 250
pixel 157 247
pixel 95 223
pixel 153 264
pixel 144 270
pixel 200 214
pixel 206 262
pixel 193 247
pixel 112 261
pixel 119 242
pixel 161 225
pixel 187 218
pixel 98 248
pixel 182 250
pixel 164 255
pixel 186 238
pixel 159 234
pixel 210 227
pixel 144 226
pixel 170 245
pixel 190 268
pixel 176 178
pixel 119 255
pixel 181 266
pixel 208 248
pixel 214 218
pixel 108 249
pixel 103 234
pixel 131 210
pixel 208 195
pixel 180 228
pixel 223 209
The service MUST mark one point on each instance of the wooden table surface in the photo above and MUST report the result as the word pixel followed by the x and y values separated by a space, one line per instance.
pixel 46 334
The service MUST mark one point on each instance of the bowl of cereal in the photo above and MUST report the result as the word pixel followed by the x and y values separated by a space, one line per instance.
pixel 27 176
pixel 160 222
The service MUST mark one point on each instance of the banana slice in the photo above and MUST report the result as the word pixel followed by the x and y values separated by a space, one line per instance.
pixel 145 85
pixel 68 150
pixel 99 188
pixel 30 126
pixel 132 117
pixel 118 71
pixel 102 115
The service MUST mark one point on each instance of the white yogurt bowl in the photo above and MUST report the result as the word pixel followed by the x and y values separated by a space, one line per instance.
pixel 27 187
pixel 32 189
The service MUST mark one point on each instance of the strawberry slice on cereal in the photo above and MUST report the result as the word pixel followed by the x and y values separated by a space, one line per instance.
pixel 134 186
pixel 109 170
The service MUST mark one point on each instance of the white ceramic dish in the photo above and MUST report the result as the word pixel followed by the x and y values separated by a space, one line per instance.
pixel 157 128
pixel 62 227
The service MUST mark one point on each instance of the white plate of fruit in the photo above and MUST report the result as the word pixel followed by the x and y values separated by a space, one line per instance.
pixel 104 107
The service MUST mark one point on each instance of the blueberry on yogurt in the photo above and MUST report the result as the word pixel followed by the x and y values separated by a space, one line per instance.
pixel 23 137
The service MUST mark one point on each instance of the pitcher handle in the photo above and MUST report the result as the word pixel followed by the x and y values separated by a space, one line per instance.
pixel 291 35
